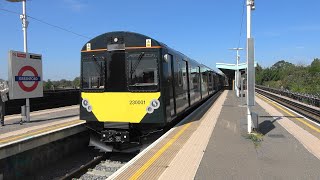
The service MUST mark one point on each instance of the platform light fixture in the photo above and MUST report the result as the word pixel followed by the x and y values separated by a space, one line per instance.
pixel 250 66
pixel 237 83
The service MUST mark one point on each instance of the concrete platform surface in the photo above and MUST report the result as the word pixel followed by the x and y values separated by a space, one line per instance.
pixel 281 155
pixel 12 122
pixel 214 144
pixel 45 126
pixel 156 159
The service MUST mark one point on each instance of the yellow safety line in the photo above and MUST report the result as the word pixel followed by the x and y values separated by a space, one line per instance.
pixel 299 119
pixel 6 140
pixel 139 172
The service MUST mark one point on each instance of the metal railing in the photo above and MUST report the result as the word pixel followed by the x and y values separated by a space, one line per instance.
pixel 304 98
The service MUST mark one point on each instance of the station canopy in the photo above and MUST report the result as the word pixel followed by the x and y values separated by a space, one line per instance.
pixel 229 69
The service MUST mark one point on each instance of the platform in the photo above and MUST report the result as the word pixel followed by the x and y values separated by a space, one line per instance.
pixel 44 127
pixel 213 144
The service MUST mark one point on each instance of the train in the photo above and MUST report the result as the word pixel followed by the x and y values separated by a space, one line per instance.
pixel 133 85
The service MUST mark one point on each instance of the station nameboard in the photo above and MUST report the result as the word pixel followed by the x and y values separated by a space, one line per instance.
pixel 25 75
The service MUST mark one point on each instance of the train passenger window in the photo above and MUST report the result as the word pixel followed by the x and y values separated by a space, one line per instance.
pixel 93 74
pixel 179 74
pixel 142 71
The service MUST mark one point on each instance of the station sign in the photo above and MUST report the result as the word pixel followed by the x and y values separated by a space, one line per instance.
pixel 25 75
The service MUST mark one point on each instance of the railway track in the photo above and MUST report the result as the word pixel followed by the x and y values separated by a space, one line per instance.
pixel 100 167
pixel 104 165
pixel 313 113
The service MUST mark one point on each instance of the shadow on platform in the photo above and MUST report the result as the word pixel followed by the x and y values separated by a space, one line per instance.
pixel 266 126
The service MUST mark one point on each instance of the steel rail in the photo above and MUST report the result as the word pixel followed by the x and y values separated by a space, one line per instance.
pixel 305 110
pixel 84 168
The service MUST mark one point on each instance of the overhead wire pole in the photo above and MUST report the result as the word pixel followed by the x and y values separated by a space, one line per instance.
pixel 237 71
pixel 250 66
pixel 25 23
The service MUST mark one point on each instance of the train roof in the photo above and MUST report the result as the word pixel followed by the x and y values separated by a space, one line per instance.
pixel 133 40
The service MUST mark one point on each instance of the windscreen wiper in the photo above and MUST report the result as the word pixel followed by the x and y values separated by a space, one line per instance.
pixel 98 69
pixel 136 64
pixel 98 66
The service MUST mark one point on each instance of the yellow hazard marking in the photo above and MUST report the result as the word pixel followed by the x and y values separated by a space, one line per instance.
pixel 120 106
pixel 25 135
pixel 291 114
pixel 148 42
pixel 140 171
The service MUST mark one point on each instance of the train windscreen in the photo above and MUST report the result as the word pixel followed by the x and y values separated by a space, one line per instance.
pixel 93 74
pixel 142 71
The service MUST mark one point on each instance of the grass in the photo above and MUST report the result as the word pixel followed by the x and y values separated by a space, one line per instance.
pixel 256 138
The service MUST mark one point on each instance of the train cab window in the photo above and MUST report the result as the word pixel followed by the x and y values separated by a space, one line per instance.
pixel 93 74
pixel 142 71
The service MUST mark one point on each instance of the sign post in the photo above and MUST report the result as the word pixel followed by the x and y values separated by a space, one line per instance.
pixel 25 77
pixel 25 24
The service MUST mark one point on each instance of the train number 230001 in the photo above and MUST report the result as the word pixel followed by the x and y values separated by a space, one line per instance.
pixel 137 102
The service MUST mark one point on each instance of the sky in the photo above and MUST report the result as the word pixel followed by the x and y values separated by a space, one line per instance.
pixel 203 30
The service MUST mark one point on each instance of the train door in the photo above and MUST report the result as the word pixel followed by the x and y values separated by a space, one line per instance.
pixel 169 87
pixel 186 82
pixel 181 85
pixel 200 81
pixel 116 72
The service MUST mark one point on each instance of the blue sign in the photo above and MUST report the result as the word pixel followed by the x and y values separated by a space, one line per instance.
pixel 27 78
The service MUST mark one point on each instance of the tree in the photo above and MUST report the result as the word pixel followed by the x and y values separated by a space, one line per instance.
pixel 259 73
pixel 296 78
pixel 47 85
pixel 76 82
pixel 315 66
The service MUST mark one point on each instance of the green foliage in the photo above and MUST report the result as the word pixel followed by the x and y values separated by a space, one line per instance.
pixel 315 66
pixel 285 75
pixel 256 138
pixel 76 82
pixel 47 85
pixel 61 84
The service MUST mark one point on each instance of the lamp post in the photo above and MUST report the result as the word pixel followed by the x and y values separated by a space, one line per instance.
pixel 250 66
pixel 25 23
pixel 237 70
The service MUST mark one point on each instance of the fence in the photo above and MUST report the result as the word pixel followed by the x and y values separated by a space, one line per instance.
pixel 308 99
pixel 50 99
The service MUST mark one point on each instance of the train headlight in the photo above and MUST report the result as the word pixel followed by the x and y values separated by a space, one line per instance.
pixel 89 108
pixel 86 105
pixel 155 103
pixel 150 110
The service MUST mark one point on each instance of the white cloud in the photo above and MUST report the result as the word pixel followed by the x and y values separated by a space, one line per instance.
pixel 75 5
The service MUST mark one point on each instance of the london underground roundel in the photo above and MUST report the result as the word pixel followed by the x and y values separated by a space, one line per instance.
pixel 21 79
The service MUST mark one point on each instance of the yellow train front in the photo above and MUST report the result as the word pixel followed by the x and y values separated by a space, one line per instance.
pixel 133 85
